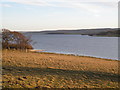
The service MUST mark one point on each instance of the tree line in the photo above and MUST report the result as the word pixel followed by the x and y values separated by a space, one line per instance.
pixel 15 40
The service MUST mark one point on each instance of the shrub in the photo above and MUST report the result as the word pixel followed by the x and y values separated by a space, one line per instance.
pixel 15 40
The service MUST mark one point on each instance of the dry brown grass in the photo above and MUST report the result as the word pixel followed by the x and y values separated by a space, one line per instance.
pixel 47 70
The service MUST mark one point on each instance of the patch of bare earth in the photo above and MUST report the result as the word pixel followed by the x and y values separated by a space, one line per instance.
pixel 44 70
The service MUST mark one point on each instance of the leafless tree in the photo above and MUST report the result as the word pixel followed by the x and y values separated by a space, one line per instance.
pixel 15 40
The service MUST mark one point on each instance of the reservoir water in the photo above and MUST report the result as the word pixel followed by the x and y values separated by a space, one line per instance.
pixel 101 47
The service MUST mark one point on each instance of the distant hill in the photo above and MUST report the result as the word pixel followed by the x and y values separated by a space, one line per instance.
pixel 90 32
pixel 115 33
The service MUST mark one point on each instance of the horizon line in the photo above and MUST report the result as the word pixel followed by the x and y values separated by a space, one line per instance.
pixel 60 29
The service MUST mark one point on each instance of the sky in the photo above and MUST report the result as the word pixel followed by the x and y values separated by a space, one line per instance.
pixel 23 15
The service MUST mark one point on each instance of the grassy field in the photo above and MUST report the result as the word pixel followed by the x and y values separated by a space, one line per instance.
pixel 46 70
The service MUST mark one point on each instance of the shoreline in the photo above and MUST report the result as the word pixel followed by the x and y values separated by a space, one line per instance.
pixel 84 56
pixel 42 51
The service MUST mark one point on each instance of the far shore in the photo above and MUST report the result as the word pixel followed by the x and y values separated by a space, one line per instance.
pixel 23 69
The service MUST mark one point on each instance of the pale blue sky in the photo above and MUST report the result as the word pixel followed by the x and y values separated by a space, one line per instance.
pixel 58 14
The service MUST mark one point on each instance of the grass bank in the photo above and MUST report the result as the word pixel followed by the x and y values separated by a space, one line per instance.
pixel 47 70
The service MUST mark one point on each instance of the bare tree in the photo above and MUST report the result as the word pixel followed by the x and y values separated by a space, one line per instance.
pixel 15 40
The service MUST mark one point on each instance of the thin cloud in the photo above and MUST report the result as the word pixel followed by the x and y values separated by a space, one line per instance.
pixel 89 5
pixel 53 2
pixel 31 2
pixel 5 5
